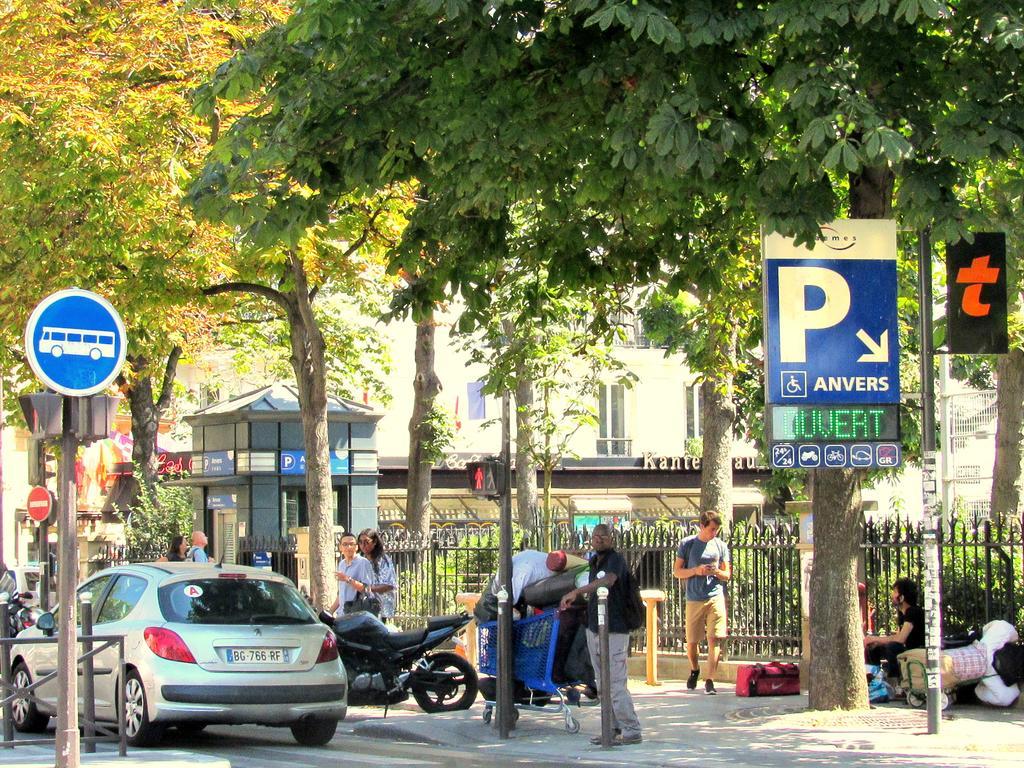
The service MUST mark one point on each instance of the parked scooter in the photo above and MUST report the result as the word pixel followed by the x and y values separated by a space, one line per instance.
pixel 385 667
pixel 20 615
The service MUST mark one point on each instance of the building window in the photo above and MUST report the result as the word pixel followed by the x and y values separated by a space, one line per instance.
pixel 612 440
pixel 693 400
pixel 295 513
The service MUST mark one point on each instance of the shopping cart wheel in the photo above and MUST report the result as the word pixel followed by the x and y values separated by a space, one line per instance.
pixel 487 715
pixel 916 700
pixel 572 725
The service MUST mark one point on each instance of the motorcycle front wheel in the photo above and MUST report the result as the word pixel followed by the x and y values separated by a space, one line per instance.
pixel 447 683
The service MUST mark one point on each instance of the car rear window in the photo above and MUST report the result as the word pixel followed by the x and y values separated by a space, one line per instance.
pixel 233 601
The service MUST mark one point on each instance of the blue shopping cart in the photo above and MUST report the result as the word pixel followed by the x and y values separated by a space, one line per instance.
pixel 533 654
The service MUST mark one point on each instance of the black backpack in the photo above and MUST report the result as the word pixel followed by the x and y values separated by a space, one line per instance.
pixel 1008 663
pixel 636 614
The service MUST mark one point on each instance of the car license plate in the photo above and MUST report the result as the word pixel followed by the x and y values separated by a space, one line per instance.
pixel 255 656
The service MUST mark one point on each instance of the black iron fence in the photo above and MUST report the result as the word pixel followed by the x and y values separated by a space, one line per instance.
pixel 764 604
pixel 982 573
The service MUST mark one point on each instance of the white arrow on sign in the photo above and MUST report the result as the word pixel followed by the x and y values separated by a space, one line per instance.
pixel 879 349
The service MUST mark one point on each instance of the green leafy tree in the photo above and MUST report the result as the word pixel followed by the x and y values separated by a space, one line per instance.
pixel 619 122
pixel 537 343
pixel 340 256
pixel 716 331
pixel 97 136
pixel 156 517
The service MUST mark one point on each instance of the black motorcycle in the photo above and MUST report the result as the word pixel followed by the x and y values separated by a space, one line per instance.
pixel 385 667
pixel 20 615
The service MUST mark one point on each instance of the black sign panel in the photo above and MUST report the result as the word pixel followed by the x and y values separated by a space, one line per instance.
pixel 976 279
pixel 834 423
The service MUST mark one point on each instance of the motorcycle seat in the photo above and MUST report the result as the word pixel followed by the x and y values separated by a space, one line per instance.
pixel 399 640
pixel 440 622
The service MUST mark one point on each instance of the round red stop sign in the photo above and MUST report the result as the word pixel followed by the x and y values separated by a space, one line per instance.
pixel 40 504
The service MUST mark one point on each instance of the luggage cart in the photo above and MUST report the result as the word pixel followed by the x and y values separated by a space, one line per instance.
pixel 533 653
pixel 914 682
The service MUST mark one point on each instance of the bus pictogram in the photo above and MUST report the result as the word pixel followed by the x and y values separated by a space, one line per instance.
pixel 76 341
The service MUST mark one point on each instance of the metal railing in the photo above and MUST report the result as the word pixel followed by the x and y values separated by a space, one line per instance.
pixel 982 573
pixel 95 732
pixel 764 599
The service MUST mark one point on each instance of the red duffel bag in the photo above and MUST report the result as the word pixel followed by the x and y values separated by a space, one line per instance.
pixel 775 678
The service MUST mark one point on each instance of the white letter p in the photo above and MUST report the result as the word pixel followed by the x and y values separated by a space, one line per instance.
pixel 794 317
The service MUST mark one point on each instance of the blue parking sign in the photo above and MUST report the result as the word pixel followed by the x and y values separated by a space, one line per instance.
pixel 831 328
pixel 75 342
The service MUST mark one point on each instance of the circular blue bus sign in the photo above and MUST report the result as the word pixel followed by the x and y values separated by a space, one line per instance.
pixel 75 342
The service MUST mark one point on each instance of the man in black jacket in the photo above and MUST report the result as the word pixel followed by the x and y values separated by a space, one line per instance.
pixel 608 569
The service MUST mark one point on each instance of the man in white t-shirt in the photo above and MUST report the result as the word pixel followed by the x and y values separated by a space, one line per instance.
pixel 528 567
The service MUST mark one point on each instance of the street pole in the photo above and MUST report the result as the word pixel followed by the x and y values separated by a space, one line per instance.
pixel 505 698
pixel 67 737
pixel 930 542
pixel 605 672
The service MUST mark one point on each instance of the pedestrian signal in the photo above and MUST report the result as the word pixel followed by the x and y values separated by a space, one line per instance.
pixel 485 478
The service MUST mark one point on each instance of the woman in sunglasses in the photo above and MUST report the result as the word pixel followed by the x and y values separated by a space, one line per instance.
pixel 385 579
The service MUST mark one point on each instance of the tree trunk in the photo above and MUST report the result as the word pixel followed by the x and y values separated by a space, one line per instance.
pixel 526 472
pixel 426 387
pixel 837 649
pixel 146 414
pixel 1006 471
pixel 837 652
pixel 307 360
pixel 717 417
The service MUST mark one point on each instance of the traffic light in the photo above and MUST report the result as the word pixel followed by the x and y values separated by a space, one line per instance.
pixel 41 467
pixel 486 479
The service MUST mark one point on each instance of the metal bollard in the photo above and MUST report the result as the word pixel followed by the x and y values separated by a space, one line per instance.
pixel 504 700
pixel 605 673
pixel 651 598
pixel 5 667
pixel 88 683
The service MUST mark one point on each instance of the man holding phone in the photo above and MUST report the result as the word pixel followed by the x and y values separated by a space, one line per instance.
pixel 703 562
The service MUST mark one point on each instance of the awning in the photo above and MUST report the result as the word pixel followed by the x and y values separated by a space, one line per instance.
pixel 620 504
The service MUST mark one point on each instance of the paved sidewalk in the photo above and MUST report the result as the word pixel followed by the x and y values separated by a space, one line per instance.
pixel 684 727
pixel 38 756
pixel 681 728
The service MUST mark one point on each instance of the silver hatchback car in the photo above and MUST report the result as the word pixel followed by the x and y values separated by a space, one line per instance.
pixel 204 644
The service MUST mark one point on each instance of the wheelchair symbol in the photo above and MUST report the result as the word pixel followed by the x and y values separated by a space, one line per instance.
pixel 794 383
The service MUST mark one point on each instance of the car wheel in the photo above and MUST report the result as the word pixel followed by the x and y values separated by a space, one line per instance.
pixel 449 683
pixel 314 733
pixel 139 730
pixel 27 717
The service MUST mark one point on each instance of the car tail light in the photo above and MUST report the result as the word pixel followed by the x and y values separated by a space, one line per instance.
pixel 168 645
pixel 328 649
pixel 232 576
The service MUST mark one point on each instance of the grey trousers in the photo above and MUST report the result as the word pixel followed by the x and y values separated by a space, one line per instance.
pixel 623 714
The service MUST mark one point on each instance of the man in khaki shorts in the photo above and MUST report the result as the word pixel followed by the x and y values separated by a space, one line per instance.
pixel 703 562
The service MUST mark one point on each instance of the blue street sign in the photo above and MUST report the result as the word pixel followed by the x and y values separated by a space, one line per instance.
pixel 830 316
pixel 218 463
pixel 261 560
pixel 835 456
pixel 222 501
pixel 75 342
pixel 294 463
